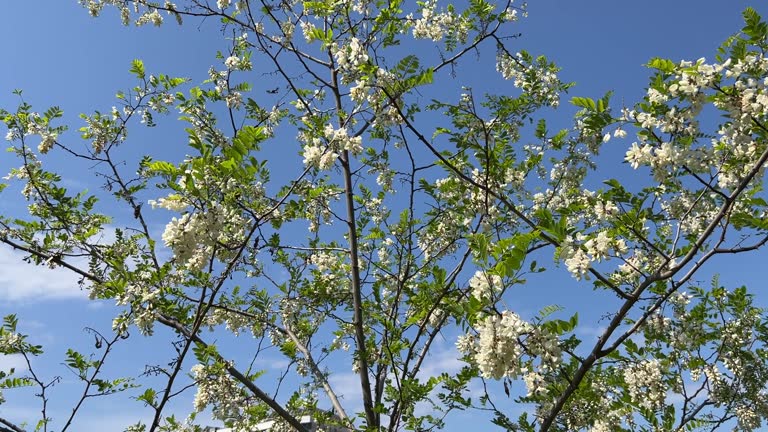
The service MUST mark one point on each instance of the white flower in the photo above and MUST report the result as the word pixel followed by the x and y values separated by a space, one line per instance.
pixel 222 4
pixel 194 236
pixel 578 264
pixel 234 99
pixel 12 134
pixel 497 352
pixel 536 79
pixel 349 58
pixel 599 246
pixel 485 286
pixel 47 142
pixel 232 62
pixel 327 160
pixel 645 385
pixel 312 155
pixel 637 155
pixel 171 202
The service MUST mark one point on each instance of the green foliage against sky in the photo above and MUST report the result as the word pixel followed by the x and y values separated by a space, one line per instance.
pixel 347 223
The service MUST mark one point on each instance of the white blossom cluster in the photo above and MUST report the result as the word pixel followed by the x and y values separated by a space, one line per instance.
pixel 692 211
pixel 151 16
pixel 232 97
pixel 578 259
pixel 436 317
pixel 23 173
pixel 34 127
pixel 733 151
pixel 645 383
pixel 436 25
pixel 748 418
pixel 496 349
pixel 330 275
pixel 349 58
pixel 318 209
pixel 233 63
pixel 101 131
pixel 12 134
pixel 539 81
pixel 235 322
pixel 478 200
pixel 485 287
pixel 215 387
pixel 9 341
pixel 438 238
pixel 323 152
pixel 367 93
pixel 193 236
pixel 383 253
pixel 376 210
pixel 595 209
pixel 638 264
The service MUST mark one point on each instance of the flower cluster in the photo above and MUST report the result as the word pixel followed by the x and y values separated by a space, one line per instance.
pixel 496 349
pixel 536 77
pixel 349 58
pixel 323 152
pixel 645 383
pixel 215 387
pixel 102 130
pixel 193 236
pixel 485 287
pixel 231 96
pixel 596 248
pixel 733 151
pixel 9 341
pixel 439 238
pixel 435 25
pixel 36 127
pixel 151 16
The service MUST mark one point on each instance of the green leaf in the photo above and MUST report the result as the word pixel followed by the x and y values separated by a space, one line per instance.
pixel 663 65
pixel 584 102
pixel 549 310
pixel 755 28
pixel 10 383
pixel 163 167
pixel 137 68
pixel 148 397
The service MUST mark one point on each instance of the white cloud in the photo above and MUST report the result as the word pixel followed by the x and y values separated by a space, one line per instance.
pixel 346 385
pixel 14 361
pixel 442 359
pixel 24 282
pixel 588 331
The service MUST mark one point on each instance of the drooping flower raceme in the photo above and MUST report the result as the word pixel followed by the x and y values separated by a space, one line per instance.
pixel 215 387
pixel 645 384
pixel 193 236
pixel 323 152
pixel 436 25
pixel 349 58
pixel 485 286
pixel 537 77
pixel 496 350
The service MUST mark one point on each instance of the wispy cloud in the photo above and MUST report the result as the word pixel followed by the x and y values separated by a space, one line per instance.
pixel 15 361
pixel 24 282
pixel 347 388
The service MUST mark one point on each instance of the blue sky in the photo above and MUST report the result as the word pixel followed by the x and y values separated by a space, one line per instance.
pixel 59 55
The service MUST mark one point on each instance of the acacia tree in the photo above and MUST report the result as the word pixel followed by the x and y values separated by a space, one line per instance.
pixel 400 222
